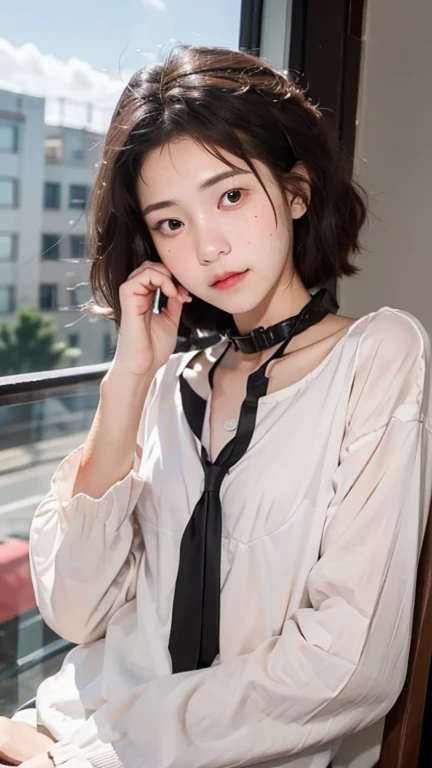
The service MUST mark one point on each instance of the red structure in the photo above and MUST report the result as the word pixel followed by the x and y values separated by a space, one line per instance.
pixel 16 590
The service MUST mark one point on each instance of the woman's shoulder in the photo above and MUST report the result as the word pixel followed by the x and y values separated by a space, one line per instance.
pixel 391 371
pixel 391 333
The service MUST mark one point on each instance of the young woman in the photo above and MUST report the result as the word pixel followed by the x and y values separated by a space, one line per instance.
pixel 234 547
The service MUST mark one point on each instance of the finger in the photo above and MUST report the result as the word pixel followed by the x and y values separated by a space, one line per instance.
pixel 150 265
pixel 156 280
pixel 148 282
pixel 173 310
pixel 184 293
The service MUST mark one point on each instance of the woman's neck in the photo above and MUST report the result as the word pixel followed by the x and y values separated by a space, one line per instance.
pixel 287 300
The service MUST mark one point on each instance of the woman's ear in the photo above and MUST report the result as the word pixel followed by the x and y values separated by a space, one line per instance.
pixel 298 191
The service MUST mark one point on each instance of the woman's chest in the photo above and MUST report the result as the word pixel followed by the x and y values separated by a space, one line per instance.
pixel 289 462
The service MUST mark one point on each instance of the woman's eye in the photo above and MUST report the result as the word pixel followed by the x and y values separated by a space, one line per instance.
pixel 168 226
pixel 233 196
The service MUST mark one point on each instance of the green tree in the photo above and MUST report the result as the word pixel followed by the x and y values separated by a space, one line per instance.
pixel 30 345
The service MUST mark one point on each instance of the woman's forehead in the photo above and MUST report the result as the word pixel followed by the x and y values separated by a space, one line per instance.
pixel 183 156
pixel 184 162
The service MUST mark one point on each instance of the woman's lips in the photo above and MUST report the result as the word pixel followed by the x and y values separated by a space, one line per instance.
pixel 230 281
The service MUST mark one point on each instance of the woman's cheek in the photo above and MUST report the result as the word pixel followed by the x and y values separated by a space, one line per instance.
pixel 259 222
pixel 176 260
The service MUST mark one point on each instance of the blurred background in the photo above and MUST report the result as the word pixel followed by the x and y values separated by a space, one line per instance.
pixel 62 68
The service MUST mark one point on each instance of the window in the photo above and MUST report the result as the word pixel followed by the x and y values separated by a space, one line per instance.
pixel 77 154
pixel 77 246
pixel 79 295
pixel 7 299
pixel 48 296
pixel 8 193
pixel 54 150
pixel 78 194
pixel 8 138
pixel 73 340
pixel 52 195
pixel 50 247
pixel 8 246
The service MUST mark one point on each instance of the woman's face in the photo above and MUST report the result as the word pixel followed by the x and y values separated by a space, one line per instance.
pixel 207 221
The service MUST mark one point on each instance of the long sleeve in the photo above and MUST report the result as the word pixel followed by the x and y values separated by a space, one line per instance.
pixel 338 664
pixel 85 552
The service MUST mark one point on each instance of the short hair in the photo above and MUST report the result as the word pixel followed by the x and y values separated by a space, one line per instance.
pixel 227 101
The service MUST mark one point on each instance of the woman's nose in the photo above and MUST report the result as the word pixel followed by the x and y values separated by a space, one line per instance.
pixel 210 245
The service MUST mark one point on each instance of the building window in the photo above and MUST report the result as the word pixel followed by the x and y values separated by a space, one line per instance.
pixel 73 340
pixel 107 348
pixel 78 297
pixel 77 155
pixel 7 299
pixel 8 138
pixel 8 246
pixel 78 194
pixel 52 196
pixel 54 150
pixel 48 296
pixel 77 246
pixel 8 193
pixel 50 247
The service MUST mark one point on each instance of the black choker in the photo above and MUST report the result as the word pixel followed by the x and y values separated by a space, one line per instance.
pixel 261 338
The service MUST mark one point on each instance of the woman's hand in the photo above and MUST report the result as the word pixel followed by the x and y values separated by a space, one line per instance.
pixel 20 742
pixel 146 340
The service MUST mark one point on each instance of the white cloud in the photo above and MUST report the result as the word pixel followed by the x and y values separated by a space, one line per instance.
pixel 158 4
pixel 25 69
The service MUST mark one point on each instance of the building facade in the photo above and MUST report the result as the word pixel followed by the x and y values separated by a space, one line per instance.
pixel 46 174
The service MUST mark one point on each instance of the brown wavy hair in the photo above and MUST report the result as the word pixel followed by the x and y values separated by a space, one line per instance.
pixel 227 101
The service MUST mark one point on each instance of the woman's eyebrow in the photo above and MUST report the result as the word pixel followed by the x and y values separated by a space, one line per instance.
pixel 221 177
pixel 205 185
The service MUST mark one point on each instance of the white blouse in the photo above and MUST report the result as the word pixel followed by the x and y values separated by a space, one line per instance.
pixel 323 519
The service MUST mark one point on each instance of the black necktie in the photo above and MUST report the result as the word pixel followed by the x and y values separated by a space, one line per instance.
pixel 194 637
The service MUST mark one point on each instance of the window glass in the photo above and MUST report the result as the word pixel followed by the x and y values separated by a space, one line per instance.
pixel 107 347
pixel 8 137
pixel 50 247
pixel 53 150
pixel 6 299
pixel 59 84
pixel 62 70
pixel 77 246
pixel 8 193
pixel 78 194
pixel 7 246
pixel 73 339
pixel 77 154
pixel 52 195
pixel 48 296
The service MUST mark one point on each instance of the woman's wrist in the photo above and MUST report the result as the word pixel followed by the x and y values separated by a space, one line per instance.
pixel 118 384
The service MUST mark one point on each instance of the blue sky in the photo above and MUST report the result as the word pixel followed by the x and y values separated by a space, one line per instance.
pixel 101 32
